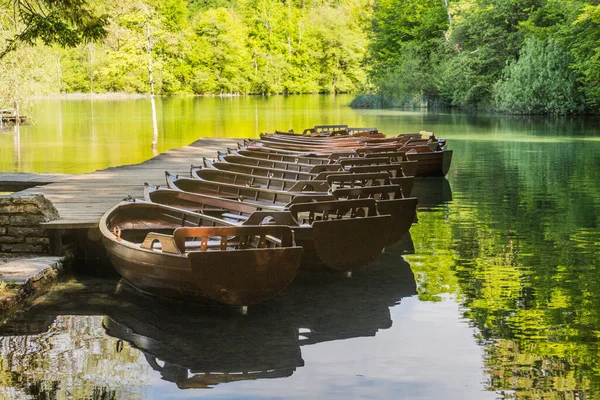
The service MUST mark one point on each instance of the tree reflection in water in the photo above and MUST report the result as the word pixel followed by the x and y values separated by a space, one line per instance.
pixel 518 246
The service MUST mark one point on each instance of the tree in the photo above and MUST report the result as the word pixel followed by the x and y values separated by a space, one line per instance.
pixel 225 62
pixel 539 82
pixel 64 22
pixel 583 40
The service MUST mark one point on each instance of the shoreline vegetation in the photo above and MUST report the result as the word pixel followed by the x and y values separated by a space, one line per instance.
pixel 511 56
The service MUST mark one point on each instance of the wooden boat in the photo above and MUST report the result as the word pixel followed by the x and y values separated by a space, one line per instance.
pixel 408 168
pixel 335 131
pixel 407 139
pixel 388 198
pixel 431 162
pixel 342 164
pixel 330 231
pixel 288 170
pixel 335 178
pixel 310 147
pixel 242 175
pixel 331 144
pixel 341 186
pixel 150 247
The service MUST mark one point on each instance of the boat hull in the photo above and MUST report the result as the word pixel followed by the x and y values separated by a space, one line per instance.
pixel 433 163
pixel 237 278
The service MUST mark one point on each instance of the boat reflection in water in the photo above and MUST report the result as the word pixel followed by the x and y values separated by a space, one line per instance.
pixel 198 351
pixel 194 347
pixel 200 348
pixel 432 192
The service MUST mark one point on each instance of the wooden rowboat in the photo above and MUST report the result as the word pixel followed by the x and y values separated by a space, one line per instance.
pixel 297 171
pixel 242 175
pixel 331 177
pixel 430 162
pixel 150 247
pixel 331 232
pixel 408 168
pixel 388 198
pixel 342 164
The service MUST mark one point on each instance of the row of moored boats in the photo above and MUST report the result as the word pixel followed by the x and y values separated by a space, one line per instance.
pixel 238 229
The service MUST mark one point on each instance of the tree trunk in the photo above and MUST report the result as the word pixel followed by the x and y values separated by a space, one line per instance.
pixel 17 117
pixel 149 47
pixel 448 12
pixel 59 75
pixel 91 70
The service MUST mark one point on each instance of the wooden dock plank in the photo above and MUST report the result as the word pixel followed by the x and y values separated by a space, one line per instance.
pixel 18 181
pixel 82 199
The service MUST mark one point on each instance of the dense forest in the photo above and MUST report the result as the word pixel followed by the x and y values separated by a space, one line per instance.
pixel 521 56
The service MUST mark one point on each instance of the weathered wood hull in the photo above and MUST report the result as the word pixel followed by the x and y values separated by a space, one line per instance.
pixel 432 163
pixel 238 277
pixel 335 244
pixel 402 210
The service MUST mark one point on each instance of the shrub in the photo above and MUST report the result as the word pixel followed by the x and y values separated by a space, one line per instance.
pixel 539 82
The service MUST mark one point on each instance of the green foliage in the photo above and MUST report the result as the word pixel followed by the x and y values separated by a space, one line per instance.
pixel 225 61
pixel 223 47
pixel 406 49
pixel 407 36
pixel 487 56
pixel 539 82
pixel 584 39
pixel 64 22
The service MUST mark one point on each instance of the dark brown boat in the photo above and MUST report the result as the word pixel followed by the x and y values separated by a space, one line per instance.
pixel 430 162
pixel 431 154
pixel 371 175
pixel 150 247
pixel 350 165
pixel 388 198
pixel 396 159
pixel 250 176
pixel 333 132
pixel 331 232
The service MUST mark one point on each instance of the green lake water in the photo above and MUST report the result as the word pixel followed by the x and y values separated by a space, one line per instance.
pixel 496 296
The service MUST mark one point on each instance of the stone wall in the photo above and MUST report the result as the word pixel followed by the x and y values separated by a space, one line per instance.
pixel 20 230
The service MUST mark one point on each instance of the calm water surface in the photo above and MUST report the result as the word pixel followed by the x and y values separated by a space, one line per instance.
pixel 498 298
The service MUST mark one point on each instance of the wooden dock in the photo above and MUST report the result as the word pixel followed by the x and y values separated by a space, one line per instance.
pixel 13 119
pixel 17 181
pixel 82 199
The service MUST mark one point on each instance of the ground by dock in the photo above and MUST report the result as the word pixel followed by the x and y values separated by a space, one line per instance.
pixel 82 199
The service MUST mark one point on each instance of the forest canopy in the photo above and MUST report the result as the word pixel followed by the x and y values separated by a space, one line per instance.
pixel 520 56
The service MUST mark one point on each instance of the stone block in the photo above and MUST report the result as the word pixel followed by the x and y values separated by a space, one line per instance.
pixel 26 231
pixel 17 208
pixel 11 239
pixel 31 204
pixel 37 240
pixel 2 231
pixel 26 220
pixel 21 248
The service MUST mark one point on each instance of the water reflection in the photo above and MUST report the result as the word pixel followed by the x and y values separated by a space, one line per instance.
pixel 199 351
pixel 432 192
pixel 98 337
pixel 519 246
